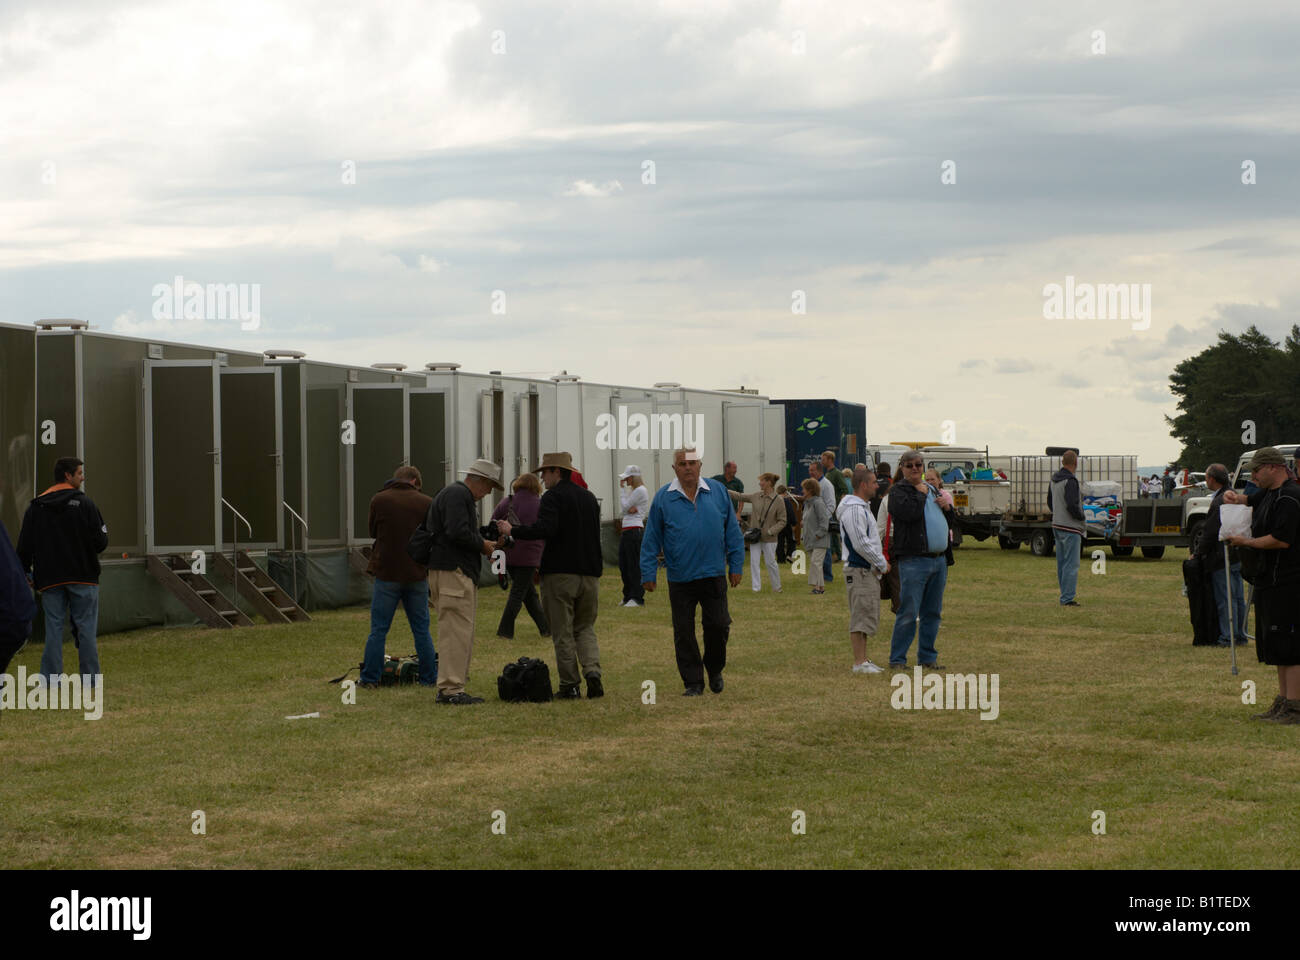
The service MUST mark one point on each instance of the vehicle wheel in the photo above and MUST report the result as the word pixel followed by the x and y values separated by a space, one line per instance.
pixel 1153 553
pixel 1194 534
pixel 1042 543
pixel 1008 543
pixel 1118 551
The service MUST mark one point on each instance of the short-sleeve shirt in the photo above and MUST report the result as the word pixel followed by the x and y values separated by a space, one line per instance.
pixel 1277 512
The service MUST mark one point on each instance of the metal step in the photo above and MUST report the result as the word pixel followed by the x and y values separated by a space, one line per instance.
pixel 194 590
pixel 257 587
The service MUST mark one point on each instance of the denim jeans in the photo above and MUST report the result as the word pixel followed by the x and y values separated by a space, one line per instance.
pixel 921 583
pixel 1068 546
pixel 1238 603
pixel 81 602
pixel 826 562
pixel 414 597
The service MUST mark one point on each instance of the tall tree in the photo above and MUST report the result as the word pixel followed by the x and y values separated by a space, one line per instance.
pixel 1243 379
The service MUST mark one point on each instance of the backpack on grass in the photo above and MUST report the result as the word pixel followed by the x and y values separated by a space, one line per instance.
pixel 397 671
pixel 527 679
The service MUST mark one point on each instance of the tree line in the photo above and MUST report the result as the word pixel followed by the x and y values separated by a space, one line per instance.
pixel 1245 380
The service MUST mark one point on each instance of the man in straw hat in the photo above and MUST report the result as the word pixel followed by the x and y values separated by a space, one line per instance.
pixel 569 521
pixel 695 527
pixel 454 566
pixel 1275 529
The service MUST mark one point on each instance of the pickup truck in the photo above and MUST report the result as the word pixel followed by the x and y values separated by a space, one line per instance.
pixel 1198 507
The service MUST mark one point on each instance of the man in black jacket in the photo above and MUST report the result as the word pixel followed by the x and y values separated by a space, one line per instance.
pixel 1275 529
pixel 1210 550
pixel 569 521
pixel 919 544
pixel 455 547
pixel 59 546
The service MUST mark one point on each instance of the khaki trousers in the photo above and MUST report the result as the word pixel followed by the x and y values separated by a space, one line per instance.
pixel 453 596
pixel 569 601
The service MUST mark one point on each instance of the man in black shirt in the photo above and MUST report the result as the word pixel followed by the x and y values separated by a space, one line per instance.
pixel 1275 529
pixel 569 521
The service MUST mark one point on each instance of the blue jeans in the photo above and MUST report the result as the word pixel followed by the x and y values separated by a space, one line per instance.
pixel 81 602
pixel 414 597
pixel 1238 602
pixel 826 562
pixel 1067 563
pixel 921 582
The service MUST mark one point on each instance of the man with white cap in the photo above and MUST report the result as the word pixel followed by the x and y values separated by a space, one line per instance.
pixel 454 566
pixel 635 500
pixel 568 519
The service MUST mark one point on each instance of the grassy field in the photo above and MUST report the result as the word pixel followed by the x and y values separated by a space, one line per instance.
pixel 1106 707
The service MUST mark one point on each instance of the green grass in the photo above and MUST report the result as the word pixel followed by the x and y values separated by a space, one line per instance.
pixel 1107 707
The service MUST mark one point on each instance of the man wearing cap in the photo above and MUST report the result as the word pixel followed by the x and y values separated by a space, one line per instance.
pixel 635 501
pixel 1275 529
pixel 569 521
pixel 454 565
pixel 694 526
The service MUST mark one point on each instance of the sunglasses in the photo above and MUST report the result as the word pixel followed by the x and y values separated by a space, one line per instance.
pixel 913 466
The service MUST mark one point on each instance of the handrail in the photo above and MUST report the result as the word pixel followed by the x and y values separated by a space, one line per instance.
pixel 299 518
pixel 234 548
pixel 293 552
pixel 239 515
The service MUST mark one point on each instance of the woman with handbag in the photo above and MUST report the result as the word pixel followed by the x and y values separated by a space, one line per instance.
pixel 766 521
pixel 816 533
pixel 521 508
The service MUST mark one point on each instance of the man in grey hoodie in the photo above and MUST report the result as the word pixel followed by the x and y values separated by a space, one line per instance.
pixel 1067 525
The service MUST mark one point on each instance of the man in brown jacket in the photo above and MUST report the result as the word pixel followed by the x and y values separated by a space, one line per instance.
pixel 395 512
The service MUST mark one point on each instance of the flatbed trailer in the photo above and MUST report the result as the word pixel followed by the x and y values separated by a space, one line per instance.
pixel 1148 525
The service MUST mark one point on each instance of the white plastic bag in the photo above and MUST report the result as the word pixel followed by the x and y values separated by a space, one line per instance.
pixel 1235 520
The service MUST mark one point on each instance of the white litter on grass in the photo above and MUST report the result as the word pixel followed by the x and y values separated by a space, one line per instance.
pixel 304 716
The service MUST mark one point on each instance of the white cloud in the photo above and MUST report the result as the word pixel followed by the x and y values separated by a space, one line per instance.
pixel 586 188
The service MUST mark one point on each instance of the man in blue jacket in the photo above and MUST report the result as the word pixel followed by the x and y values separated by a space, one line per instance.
pixel 694 526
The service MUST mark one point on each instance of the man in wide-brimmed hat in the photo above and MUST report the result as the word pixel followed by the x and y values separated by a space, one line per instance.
pixel 454 566
pixel 569 521
pixel 1275 530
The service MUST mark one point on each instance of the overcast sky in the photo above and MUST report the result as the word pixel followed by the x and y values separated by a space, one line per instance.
pixel 796 146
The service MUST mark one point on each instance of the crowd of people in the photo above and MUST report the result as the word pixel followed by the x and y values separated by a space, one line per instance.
pixel 893 537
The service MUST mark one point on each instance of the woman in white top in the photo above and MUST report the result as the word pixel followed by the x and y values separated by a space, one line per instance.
pixel 634 498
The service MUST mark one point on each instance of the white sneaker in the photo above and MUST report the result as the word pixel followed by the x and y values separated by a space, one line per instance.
pixel 866 667
pixel 631 603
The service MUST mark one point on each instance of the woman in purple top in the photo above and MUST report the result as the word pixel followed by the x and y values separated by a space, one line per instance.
pixel 522 559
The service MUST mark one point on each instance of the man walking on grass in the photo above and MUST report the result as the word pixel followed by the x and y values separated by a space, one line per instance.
pixel 693 524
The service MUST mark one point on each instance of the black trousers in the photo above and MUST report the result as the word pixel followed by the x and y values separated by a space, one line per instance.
pixel 629 563
pixel 710 595
pixel 785 544
pixel 522 594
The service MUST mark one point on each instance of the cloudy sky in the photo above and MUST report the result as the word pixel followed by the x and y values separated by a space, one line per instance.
pixel 651 185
